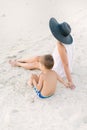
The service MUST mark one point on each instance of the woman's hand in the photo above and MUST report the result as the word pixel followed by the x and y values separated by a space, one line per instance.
pixel 70 85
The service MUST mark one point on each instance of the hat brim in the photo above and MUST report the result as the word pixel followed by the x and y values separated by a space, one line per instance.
pixel 54 27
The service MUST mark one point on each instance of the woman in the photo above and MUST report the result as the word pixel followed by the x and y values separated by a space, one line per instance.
pixel 62 54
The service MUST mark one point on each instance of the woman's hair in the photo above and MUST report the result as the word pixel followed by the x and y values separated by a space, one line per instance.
pixel 47 61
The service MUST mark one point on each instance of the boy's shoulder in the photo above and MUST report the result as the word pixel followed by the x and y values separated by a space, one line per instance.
pixel 53 71
pixel 41 75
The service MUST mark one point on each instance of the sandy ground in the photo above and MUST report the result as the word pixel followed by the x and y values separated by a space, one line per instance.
pixel 24 32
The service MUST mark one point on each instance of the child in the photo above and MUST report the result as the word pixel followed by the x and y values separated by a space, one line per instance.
pixel 45 84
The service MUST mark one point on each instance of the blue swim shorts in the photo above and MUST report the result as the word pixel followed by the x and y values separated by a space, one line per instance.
pixel 39 93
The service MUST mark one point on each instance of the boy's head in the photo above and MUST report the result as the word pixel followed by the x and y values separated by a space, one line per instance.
pixel 47 61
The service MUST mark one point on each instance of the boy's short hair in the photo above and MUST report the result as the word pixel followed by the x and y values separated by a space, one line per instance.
pixel 47 61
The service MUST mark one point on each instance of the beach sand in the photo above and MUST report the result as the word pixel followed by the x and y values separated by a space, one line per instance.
pixel 24 32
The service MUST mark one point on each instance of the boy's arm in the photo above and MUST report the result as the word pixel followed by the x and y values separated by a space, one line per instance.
pixel 62 81
pixel 39 84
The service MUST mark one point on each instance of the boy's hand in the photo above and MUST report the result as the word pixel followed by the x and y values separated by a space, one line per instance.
pixel 67 84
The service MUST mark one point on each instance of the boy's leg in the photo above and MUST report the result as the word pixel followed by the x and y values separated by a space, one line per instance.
pixel 33 76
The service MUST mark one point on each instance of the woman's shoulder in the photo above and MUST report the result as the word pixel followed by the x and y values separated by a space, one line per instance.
pixel 70 46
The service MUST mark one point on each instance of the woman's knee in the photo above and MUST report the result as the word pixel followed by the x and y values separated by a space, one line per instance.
pixel 37 58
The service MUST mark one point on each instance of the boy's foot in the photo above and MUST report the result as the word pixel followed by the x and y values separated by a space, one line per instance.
pixel 29 83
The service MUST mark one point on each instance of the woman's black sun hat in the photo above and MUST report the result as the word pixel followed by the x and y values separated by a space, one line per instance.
pixel 61 31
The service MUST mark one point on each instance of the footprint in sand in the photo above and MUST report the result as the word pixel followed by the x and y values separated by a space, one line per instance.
pixel 21 51
pixel 15 111
pixel 10 57
pixel 85 119
pixel 3 15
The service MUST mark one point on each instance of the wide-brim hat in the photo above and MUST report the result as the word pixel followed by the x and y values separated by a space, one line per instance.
pixel 61 31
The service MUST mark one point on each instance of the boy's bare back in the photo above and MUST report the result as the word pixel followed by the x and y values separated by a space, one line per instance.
pixel 49 80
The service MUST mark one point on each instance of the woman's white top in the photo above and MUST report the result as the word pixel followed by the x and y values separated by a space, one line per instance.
pixel 58 66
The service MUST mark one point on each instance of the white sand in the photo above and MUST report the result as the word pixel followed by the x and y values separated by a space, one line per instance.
pixel 24 32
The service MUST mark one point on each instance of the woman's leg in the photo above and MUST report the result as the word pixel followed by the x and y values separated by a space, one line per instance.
pixel 32 63
pixel 29 60
pixel 30 66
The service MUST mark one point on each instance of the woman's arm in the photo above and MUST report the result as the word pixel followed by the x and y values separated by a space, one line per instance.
pixel 64 59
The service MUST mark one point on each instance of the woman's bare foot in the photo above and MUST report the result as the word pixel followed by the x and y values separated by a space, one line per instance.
pixel 13 63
